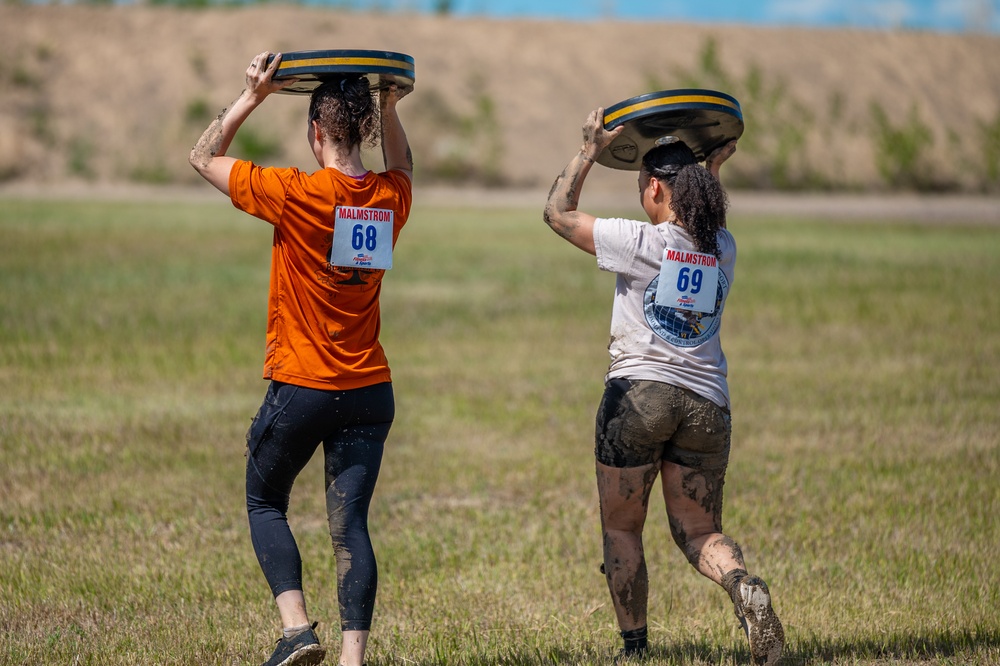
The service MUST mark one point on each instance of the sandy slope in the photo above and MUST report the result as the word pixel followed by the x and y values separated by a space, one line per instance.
pixel 120 94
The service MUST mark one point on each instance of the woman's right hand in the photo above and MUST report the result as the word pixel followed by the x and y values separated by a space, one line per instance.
pixel 260 76
pixel 595 137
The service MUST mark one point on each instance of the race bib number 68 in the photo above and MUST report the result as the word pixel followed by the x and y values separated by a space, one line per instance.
pixel 362 238
pixel 688 281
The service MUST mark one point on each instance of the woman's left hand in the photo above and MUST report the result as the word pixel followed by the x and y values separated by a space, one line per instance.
pixel 717 157
pixel 389 93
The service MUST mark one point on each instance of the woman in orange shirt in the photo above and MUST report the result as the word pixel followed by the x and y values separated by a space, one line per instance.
pixel 334 232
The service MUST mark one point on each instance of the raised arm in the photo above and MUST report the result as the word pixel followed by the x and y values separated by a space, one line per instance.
pixel 561 212
pixel 395 148
pixel 208 156
pixel 717 158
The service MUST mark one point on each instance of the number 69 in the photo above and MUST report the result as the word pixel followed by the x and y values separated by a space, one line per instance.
pixel 688 280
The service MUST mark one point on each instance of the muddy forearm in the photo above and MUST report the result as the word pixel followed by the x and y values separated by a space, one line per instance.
pixel 214 142
pixel 564 197
pixel 209 145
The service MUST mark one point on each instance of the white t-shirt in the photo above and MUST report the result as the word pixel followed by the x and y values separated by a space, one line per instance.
pixel 654 342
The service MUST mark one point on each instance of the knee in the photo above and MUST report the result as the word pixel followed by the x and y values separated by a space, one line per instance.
pixel 689 544
pixel 694 546
pixel 261 498
pixel 337 522
pixel 261 506
pixel 348 524
pixel 691 553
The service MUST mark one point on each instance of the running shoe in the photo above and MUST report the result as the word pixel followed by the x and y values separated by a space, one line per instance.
pixel 302 649
pixel 762 626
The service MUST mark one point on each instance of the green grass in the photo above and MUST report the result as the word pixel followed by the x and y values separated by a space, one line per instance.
pixel 863 483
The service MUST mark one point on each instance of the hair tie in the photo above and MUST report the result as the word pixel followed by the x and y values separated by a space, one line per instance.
pixel 342 81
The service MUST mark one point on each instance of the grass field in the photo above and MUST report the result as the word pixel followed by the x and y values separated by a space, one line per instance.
pixel 863 485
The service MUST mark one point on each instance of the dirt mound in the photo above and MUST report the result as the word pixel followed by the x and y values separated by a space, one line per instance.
pixel 120 94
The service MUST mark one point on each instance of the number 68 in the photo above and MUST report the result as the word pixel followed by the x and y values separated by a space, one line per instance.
pixel 364 236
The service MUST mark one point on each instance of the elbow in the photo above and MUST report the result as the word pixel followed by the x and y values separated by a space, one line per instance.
pixel 552 211
pixel 195 160
pixel 551 214
pixel 556 216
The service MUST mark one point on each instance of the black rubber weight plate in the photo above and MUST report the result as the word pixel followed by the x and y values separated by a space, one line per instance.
pixel 311 68
pixel 703 119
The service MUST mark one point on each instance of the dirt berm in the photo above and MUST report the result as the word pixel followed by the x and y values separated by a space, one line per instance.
pixel 98 95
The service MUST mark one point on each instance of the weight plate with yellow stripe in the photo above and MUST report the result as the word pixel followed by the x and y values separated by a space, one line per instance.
pixel 703 119
pixel 311 68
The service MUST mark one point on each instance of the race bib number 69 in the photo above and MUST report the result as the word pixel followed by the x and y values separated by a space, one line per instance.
pixel 688 281
pixel 362 238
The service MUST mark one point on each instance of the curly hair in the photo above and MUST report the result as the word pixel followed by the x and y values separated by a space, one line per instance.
pixel 696 196
pixel 346 110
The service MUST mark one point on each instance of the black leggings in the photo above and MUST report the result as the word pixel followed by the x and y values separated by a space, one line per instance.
pixel 353 426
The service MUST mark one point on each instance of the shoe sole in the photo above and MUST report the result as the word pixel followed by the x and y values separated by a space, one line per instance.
pixel 310 655
pixel 762 626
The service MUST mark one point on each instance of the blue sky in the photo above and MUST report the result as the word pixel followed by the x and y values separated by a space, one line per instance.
pixel 937 15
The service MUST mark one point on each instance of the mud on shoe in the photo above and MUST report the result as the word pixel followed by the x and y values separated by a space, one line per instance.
pixel 752 605
pixel 302 649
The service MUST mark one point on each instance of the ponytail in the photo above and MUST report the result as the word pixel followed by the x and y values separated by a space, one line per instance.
pixel 346 110
pixel 698 200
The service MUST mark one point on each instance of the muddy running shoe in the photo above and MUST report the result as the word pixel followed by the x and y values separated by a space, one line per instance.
pixel 302 649
pixel 752 606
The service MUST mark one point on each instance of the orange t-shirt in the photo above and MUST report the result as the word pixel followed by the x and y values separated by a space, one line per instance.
pixel 323 321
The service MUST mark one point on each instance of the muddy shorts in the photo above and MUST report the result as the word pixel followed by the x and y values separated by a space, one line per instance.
pixel 641 422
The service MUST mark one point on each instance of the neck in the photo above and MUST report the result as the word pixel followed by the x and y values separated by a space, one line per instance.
pixel 345 161
pixel 666 216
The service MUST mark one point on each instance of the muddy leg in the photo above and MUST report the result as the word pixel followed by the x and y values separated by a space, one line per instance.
pixel 624 494
pixel 694 507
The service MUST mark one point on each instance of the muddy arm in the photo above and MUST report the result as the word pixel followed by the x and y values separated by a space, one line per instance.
pixel 561 212
pixel 208 156
pixel 395 147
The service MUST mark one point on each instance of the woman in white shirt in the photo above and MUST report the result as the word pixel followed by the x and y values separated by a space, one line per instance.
pixel 665 409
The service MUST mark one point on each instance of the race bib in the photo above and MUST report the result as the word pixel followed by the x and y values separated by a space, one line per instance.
pixel 688 281
pixel 362 238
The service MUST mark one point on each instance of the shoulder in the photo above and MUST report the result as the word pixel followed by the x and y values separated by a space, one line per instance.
pixel 398 179
pixel 399 184
pixel 617 242
pixel 727 244
pixel 249 182
pixel 258 178
pixel 247 169
pixel 619 226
